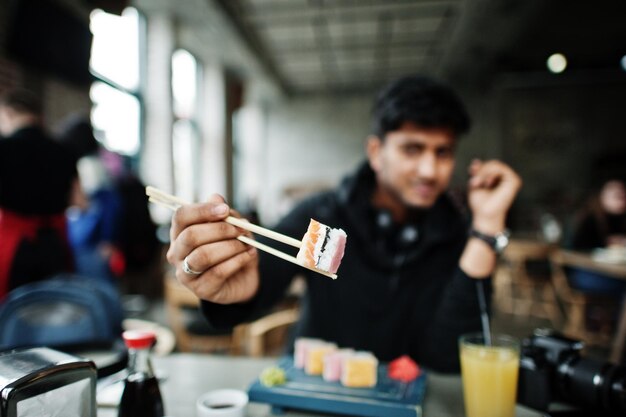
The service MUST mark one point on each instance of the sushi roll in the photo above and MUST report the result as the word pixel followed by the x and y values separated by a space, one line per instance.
pixel 314 361
pixel 333 364
pixel 301 350
pixel 360 370
pixel 322 247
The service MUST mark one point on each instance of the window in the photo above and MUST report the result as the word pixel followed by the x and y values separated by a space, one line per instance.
pixel 115 117
pixel 115 62
pixel 186 134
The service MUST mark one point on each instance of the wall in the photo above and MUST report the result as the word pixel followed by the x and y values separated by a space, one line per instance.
pixel 60 99
pixel 565 135
pixel 10 73
pixel 311 142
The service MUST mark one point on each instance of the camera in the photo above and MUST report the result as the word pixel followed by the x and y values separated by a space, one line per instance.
pixel 552 370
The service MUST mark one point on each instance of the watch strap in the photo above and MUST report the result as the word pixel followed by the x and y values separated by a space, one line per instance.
pixel 496 242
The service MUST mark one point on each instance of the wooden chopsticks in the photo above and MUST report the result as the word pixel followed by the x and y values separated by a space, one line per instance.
pixel 172 202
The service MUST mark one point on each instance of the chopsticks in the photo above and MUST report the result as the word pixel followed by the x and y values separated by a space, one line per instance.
pixel 173 203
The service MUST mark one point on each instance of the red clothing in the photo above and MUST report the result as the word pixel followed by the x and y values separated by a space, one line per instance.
pixel 19 231
pixel 36 176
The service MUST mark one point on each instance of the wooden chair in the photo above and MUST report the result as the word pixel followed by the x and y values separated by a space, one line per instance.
pixel 521 292
pixel 180 302
pixel 576 304
pixel 265 336
pixel 268 335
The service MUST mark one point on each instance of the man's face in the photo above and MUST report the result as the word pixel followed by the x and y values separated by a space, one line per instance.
pixel 413 165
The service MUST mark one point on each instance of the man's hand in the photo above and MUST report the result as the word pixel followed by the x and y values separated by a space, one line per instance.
pixel 229 268
pixel 492 188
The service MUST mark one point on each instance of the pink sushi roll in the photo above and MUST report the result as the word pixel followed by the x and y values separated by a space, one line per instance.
pixel 301 349
pixel 333 364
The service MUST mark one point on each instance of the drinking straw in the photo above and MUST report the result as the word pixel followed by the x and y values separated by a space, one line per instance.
pixel 484 315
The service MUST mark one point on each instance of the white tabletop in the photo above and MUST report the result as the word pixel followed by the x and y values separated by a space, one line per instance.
pixel 187 376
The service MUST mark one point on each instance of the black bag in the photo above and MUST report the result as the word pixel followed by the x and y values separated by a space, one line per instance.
pixel 39 258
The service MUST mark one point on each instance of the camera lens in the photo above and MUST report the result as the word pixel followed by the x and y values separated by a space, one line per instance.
pixel 592 384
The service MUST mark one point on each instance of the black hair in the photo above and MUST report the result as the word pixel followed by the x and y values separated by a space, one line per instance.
pixel 419 100
pixel 22 101
pixel 77 135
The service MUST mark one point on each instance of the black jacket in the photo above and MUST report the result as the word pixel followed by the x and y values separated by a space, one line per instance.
pixel 399 290
pixel 36 173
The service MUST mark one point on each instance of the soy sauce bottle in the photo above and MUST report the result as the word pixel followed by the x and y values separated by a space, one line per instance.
pixel 141 397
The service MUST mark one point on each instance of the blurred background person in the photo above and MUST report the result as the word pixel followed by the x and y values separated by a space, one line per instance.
pixel 94 224
pixel 112 233
pixel 38 180
pixel 602 223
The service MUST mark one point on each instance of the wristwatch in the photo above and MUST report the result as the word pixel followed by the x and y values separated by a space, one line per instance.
pixel 497 242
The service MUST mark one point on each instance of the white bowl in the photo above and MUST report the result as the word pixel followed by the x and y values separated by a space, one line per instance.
pixel 222 403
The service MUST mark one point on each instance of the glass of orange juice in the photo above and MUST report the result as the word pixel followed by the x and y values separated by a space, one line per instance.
pixel 489 374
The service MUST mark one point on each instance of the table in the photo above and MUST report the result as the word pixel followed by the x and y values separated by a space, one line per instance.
pixel 586 261
pixel 613 270
pixel 188 375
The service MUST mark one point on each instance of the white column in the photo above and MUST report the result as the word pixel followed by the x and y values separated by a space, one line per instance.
pixel 213 119
pixel 250 144
pixel 156 167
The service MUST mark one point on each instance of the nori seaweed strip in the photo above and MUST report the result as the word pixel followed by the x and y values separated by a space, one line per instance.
pixel 326 239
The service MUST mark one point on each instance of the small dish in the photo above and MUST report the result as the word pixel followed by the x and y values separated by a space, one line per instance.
pixel 222 403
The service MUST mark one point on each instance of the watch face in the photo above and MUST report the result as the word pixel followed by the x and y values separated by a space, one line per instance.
pixel 502 240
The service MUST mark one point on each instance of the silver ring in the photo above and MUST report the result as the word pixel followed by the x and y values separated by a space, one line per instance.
pixel 188 270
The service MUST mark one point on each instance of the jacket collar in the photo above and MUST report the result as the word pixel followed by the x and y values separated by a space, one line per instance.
pixel 441 223
pixel 26 132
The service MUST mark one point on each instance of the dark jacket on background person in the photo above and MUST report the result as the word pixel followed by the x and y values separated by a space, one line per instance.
pixel 593 230
pixel 36 176
pixel 399 288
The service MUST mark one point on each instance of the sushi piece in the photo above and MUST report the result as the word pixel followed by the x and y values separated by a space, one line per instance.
pixel 360 370
pixel 314 362
pixel 333 364
pixel 403 369
pixel 322 247
pixel 301 350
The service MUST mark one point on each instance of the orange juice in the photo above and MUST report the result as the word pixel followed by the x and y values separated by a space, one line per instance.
pixel 489 376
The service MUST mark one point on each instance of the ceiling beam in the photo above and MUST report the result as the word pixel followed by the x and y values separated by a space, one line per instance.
pixel 323 42
pixel 400 67
pixel 230 9
pixel 355 45
pixel 360 16
pixel 394 59
pixel 385 35
pixel 284 8
pixel 359 86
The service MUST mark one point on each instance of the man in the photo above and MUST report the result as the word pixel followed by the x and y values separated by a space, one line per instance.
pixel 37 179
pixel 405 283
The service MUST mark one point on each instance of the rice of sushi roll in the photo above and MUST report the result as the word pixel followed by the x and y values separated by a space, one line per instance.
pixel 322 247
